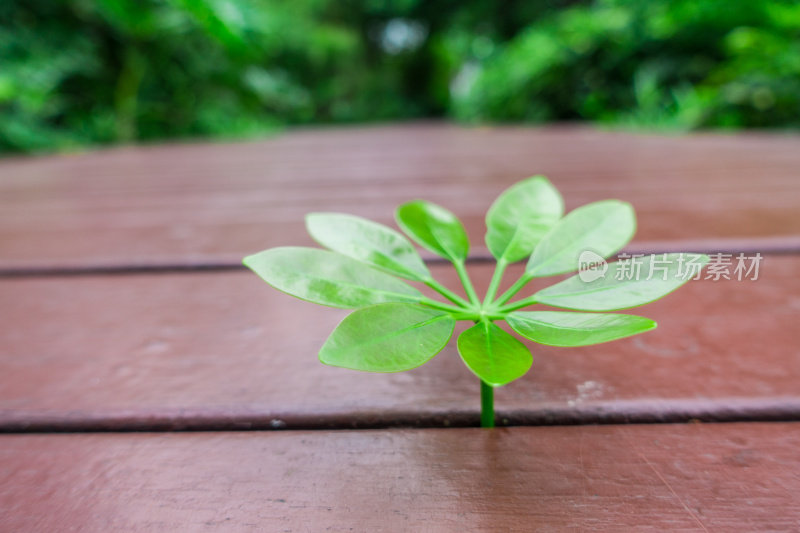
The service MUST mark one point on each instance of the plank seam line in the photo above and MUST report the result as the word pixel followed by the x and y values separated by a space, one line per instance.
pixel 230 266
pixel 273 422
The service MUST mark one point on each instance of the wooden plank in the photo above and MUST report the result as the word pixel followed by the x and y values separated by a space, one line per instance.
pixel 213 203
pixel 738 477
pixel 226 351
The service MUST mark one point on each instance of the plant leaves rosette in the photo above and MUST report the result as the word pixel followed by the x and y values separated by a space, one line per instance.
pixel 394 327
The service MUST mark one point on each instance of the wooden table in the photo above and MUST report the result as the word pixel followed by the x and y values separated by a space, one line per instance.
pixel 127 320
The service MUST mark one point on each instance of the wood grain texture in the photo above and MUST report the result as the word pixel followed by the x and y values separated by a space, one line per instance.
pixel 224 350
pixel 212 203
pixel 737 477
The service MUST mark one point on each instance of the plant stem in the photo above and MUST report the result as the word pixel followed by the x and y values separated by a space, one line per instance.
pixel 464 277
pixel 443 306
pixel 487 405
pixel 495 283
pixel 447 293
pixel 530 300
pixel 515 288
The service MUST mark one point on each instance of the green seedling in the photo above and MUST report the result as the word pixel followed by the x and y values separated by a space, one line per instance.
pixel 395 327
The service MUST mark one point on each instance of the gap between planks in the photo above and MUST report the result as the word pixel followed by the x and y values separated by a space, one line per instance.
pixel 787 245
pixel 613 413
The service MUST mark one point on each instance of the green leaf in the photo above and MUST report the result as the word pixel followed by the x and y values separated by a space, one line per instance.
pixel 521 216
pixel 434 228
pixel 627 283
pixel 493 355
pixel 558 328
pixel 328 278
pixel 600 227
pixel 369 242
pixel 389 337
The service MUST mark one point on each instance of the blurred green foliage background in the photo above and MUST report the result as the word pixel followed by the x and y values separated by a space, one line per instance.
pixel 77 72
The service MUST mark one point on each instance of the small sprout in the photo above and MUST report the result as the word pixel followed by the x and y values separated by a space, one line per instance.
pixel 395 327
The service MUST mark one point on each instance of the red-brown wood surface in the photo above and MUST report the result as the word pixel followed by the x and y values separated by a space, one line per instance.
pixel 213 350
pixel 195 204
pixel 177 348
pixel 721 477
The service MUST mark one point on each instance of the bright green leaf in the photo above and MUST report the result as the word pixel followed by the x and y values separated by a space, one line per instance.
pixel 559 328
pixel 521 216
pixel 389 337
pixel 600 227
pixel 627 283
pixel 369 242
pixel 434 228
pixel 328 278
pixel 493 355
